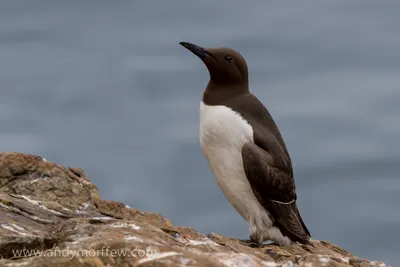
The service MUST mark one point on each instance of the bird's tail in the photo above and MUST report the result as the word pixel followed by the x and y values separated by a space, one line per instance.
pixel 294 208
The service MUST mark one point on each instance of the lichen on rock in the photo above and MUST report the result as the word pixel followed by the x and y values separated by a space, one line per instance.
pixel 52 215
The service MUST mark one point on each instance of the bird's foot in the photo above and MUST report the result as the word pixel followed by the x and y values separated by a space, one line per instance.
pixel 249 243
pixel 308 244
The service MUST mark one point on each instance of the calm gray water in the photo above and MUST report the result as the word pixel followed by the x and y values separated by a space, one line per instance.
pixel 104 85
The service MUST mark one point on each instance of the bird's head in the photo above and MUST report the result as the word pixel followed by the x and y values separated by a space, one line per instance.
pixel 225 65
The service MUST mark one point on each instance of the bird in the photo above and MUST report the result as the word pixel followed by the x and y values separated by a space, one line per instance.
pixel 246 152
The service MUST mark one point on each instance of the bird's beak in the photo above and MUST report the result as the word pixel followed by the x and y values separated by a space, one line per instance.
pixel 201 52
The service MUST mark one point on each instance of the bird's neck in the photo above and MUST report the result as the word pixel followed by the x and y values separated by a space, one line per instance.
pixel 217 94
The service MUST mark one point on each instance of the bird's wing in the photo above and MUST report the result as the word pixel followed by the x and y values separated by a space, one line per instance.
pixel 275 190
pixel 266 133
pixel 268 167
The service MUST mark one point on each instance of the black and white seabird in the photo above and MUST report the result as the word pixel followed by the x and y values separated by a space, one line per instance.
pixel 246 152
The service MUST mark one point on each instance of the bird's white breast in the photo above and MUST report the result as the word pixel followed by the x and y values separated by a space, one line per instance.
pixel 223 132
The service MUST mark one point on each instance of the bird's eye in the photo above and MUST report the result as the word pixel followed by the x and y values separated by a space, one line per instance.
pixel 228 58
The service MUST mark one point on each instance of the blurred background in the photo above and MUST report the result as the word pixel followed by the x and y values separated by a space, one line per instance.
pixel 104 85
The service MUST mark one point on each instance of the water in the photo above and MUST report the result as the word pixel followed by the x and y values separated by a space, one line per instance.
pixel 104 85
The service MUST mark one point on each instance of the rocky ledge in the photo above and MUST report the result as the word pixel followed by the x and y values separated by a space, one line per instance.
pixel 52 215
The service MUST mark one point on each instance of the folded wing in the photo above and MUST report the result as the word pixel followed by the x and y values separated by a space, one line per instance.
pixel 274 187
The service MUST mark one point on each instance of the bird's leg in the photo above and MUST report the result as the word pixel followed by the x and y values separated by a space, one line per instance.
pixel 254 241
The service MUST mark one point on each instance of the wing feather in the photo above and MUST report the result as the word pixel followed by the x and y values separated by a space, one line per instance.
pixel 275 190
pixel 268 167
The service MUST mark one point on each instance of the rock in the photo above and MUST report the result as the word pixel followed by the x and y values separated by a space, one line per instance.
pixel 52 215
